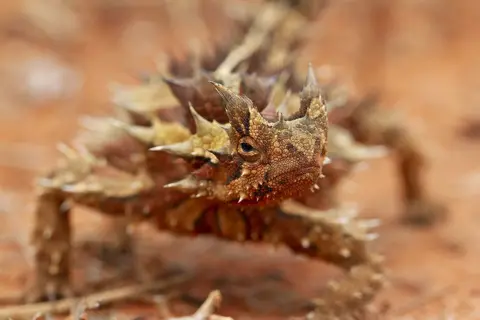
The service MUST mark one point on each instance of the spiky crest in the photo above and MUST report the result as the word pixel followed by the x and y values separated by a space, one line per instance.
pixel 252 160
pixel 210 136
pixel 199 92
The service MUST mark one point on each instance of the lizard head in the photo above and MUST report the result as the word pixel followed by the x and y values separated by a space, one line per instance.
pixel 253 160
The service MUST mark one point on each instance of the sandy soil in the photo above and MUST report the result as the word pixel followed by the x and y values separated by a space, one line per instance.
pixel 423 56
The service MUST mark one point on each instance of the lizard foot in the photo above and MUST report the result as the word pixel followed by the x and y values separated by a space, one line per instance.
pixel 423 213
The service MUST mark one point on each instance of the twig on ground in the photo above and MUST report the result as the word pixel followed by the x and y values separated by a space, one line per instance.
pixel 207 309
pixel 90 301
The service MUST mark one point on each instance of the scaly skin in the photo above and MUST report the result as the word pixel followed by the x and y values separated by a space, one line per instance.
pixel 237 181
pixel 223 163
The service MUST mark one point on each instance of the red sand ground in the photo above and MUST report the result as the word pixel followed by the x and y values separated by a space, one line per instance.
pixel 423 56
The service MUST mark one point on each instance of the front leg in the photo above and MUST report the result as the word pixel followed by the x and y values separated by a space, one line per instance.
pixel 332 236
pixel 336 238
pixel 52 241
pixel 112 194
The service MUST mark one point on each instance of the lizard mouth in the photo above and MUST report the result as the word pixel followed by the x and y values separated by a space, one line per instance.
pixel 295 175
pixel 290 183
pixel 284 185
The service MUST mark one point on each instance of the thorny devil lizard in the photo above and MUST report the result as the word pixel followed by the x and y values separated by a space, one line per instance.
pixel 255 168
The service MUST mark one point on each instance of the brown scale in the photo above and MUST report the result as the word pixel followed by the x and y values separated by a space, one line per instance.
pixel 224 206
pixel 226 180
pixel 289 224
pixel 240 181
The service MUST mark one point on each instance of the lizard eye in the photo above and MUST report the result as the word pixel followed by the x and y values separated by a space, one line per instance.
pixel 246 147
pixel 247 150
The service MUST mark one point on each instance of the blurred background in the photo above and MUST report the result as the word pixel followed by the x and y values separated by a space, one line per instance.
pixel 59 57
